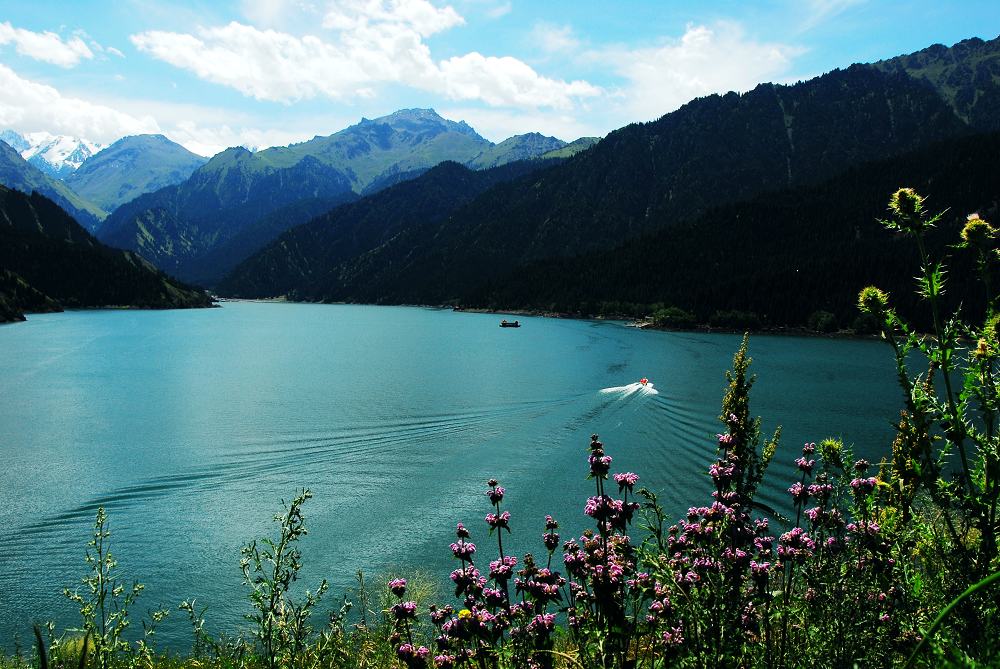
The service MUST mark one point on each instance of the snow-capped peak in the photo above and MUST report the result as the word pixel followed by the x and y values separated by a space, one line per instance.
pixel 62 153
pixel 56 155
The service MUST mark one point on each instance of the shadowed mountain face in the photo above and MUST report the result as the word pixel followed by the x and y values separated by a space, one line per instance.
pixel 130 167
pixel 224 199
pixel 17 173
pixel 784 255
pixel 648 177
pixel 329 252
pixel 178 224
pixel 47 261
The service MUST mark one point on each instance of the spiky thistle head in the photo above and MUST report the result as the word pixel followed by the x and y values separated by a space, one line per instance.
pixel 907 213
pixel 978 232
pixel 872 300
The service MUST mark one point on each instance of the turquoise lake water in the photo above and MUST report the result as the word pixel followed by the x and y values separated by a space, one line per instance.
pixel 190 427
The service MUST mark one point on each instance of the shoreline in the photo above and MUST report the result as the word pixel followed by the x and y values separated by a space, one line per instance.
pixel 640 324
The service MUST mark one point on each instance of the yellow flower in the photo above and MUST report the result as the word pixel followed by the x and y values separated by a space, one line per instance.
pixel 464 614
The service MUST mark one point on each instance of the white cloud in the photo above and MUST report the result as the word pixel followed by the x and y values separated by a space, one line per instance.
pixel 375 42
pixel 554 38
pixel 703 61
pixel 418 15
pixel 508 82
pixel 45 46
pixel 280 14
pixel 264 64
pixel 28 106
pixel 498 10
pixel 114 52
pixel 210 140
pixel 207 129
pixel 820 11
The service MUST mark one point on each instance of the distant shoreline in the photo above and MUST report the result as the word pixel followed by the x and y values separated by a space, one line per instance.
pixel 640 324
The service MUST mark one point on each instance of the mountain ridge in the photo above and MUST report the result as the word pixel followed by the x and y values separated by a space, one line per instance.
pixel 713 151
pixel 180 228
pixel 130 167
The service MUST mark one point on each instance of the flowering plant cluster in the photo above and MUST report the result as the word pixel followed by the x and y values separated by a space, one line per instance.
pixel 733 583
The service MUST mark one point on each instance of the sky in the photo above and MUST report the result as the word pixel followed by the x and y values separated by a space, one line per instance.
pixel 216 73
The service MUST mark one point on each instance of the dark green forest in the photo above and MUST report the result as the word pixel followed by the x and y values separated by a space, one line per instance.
pixel 48 261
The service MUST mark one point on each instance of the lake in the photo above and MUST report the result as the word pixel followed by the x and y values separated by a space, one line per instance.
pixel 190 427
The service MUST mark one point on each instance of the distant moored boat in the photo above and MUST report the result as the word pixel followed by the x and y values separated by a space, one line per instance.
pixel 509 324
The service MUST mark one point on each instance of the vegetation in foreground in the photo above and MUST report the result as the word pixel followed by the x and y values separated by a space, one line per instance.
pixel 887 564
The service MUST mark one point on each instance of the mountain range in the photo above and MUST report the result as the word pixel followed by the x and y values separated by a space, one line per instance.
pixel 415 208
pixel 189 229
pixel 48 261
pixel 647 178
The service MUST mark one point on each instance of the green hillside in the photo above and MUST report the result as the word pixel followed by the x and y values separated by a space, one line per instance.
pixel 130 167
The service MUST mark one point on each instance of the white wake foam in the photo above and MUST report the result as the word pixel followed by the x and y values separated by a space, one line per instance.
pixel 632 389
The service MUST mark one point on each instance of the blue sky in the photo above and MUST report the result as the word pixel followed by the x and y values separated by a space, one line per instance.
pixel 270 72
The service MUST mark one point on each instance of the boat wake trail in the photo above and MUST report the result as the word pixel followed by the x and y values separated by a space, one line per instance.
pixel 631 389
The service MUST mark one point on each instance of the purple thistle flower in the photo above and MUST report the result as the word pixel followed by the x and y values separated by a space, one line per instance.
pixel 503 569
pixel 673 637
pixel 721 472
pixel 542 624
pixel 550 523
pixel 498 521
pixel 862 487
pixel 799 492
pixel 626 480
pixel 463 550
pixel 404 610
pixel 398 586
pixel 495 494
pixel 438 616
pixel 551 541
pixel 805 465
pixel 461 532
pixel 600 464
pixel 405 651
pixel 864 527
pixel 821 492
pixel 493 596
pixel 809 448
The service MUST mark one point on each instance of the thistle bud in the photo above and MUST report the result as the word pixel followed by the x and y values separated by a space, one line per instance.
pixel 871 300
pixel 907 205
pixel 978 232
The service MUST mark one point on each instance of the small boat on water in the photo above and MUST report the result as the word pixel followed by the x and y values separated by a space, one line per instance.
pixel 509 324
pixel 644 380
